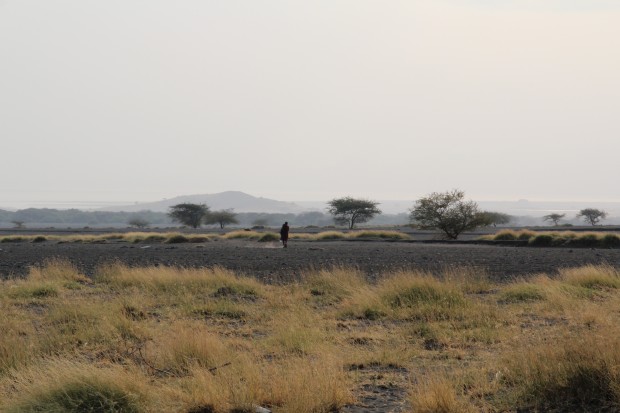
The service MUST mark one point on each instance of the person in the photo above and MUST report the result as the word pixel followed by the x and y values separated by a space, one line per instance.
pixel 284 234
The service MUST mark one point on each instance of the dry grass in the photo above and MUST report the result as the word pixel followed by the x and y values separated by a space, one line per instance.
pixel 559 238
pixel 180 340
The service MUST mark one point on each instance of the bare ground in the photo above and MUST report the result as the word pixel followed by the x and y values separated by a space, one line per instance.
pixel 272 263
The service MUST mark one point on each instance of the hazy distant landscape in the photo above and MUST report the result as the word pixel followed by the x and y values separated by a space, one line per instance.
pixel 251 209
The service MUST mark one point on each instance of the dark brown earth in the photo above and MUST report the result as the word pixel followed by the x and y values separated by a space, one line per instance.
pixel 271 263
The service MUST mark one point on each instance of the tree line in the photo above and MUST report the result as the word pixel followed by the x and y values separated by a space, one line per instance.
pixel 448 212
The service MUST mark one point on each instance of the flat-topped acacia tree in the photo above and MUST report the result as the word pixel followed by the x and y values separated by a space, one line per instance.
pixel 188 214
pixel 350 211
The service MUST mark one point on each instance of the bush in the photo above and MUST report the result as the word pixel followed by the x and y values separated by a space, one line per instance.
pixel 39 238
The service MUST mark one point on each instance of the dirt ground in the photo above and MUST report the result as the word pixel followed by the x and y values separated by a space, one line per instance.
pixel 272 263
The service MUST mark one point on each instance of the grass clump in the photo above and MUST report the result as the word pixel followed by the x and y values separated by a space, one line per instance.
pixel 541 240
pixel 522 292
pixel 591 277
pixel 66 386
pixel 327 235
pixel 242 235
pixel 573 374
pixel 269 237
pixel 177 239
pixel 378 234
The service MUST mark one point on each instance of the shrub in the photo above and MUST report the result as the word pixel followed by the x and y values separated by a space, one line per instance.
pixel 39 238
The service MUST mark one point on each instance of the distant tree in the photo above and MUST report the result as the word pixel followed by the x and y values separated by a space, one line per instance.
pixel 189 214
pixel 138 222
pixel 18 224
pixel 350 211
pixel 260 222
pixel 488 218
pixel 223 218
pixel 555 218
pixel 446 211
pixel 591 215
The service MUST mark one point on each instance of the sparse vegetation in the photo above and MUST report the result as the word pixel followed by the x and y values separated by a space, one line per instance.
pixel 181 340
pixel 559 238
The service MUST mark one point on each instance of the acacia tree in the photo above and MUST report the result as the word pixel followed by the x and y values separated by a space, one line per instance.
pixel 188 214
pixel 446 211
pixel 223 218
pixel 555 218
pixel 494 218
pixel 350 211
pixel 592 216
pixel 138 222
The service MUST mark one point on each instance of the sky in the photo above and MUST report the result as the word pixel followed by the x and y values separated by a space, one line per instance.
pixel 139 100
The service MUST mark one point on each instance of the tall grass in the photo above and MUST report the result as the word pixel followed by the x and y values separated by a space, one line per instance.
pixel 172 339
pixel 559 238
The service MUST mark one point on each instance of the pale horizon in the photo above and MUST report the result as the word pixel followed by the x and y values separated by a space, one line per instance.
pixel 135 101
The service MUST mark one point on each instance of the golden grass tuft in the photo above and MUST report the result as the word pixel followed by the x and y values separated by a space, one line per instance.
pixel 181 340
pixel 572 374
pixel 59 385
pixel 591 276
pixel 438 395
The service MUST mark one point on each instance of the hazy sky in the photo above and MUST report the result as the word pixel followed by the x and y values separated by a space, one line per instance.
pixel 132 100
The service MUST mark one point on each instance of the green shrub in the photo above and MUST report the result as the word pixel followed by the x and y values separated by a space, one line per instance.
pixel 39 238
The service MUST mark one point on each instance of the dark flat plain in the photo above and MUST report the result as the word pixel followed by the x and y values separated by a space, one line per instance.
pixel 272 263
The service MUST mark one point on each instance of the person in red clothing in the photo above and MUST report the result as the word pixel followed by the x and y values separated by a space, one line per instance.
pixel 284 234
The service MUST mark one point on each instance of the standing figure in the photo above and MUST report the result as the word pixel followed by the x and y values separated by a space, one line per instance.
pixel 284 234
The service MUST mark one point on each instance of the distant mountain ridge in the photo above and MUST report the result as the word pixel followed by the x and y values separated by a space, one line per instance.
pixel 239 201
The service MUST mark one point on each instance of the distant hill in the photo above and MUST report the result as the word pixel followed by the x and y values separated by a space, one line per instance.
pixel 239 201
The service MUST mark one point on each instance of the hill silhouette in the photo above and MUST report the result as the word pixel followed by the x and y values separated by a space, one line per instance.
pixel 239 201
